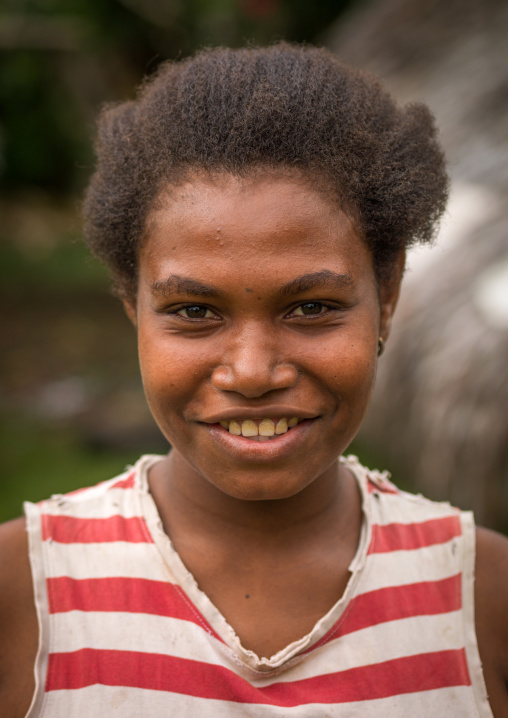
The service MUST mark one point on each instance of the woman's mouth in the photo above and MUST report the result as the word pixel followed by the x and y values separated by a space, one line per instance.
pixel 259 430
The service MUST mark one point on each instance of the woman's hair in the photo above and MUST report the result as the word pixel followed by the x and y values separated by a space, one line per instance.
pixel 286 107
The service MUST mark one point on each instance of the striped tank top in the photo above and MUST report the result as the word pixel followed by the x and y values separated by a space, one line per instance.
pixel 125 630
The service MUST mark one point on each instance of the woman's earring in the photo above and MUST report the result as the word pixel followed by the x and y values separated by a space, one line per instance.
pixel 380 346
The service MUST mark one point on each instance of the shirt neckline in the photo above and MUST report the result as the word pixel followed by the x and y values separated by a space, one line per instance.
pixel 179 573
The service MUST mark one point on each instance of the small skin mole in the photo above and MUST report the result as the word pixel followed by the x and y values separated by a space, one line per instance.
pixel 248 290
pixel 247 595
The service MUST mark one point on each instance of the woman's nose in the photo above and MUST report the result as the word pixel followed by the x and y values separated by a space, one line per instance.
pixel 253 366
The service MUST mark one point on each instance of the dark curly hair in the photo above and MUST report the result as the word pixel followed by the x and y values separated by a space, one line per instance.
pixel 283 107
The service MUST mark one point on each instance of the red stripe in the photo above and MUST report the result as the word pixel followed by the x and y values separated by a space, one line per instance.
pixel 411 674
pixel 67 529
pixel 406 537
pixel 137 595
pixel 382 485
pixel 127 483
pixel 128 595
pixel 427 598
pixel 74 493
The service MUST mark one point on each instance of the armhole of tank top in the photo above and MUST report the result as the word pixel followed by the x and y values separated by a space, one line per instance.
pixel 468 612
pixel 36 556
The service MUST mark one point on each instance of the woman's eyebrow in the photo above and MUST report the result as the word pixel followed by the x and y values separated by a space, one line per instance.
pixel 174 284
pixel 317 279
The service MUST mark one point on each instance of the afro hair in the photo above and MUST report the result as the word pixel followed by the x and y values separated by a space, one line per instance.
pixel 288 107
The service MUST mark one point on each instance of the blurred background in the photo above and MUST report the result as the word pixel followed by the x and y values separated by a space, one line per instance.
pixel 71 405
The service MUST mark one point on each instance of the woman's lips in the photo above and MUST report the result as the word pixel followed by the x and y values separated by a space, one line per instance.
pixel 260 447
pixel 260 428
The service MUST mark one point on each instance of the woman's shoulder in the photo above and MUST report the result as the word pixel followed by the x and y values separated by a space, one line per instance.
pixel 491 615
pixel 18 621
pixel 15 574
pixel 14 563
pixel 491 587
pixel 19 631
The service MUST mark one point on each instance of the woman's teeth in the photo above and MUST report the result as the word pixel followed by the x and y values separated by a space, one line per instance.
pixel 259 430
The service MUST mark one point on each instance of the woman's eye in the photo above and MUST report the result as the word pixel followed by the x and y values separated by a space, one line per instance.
pixel 195 312
pixel 309 309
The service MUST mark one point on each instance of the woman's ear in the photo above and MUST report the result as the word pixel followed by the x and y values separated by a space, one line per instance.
pixel 389 290
pixel 130 310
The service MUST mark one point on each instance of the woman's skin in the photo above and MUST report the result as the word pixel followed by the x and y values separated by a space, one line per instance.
pixel 257 299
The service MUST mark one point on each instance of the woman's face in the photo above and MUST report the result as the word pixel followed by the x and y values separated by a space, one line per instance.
pixel 257 307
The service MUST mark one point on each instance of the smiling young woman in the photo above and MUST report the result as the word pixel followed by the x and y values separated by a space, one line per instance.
pixel 254 207
pixel 291 333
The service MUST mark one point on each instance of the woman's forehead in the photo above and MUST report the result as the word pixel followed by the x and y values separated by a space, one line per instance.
pixel 269 227
pixel 222 202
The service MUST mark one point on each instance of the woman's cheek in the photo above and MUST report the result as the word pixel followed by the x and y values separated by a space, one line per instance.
pixel 174 373
pixel 355 379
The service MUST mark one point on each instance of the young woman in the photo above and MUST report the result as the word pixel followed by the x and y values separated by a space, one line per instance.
pixel 254 207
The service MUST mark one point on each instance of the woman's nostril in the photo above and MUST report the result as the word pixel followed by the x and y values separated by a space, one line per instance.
pixel 254 381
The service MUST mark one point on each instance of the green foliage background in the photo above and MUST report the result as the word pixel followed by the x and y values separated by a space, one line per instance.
pixel 60 59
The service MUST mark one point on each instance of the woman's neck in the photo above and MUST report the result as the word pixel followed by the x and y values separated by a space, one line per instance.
pixel 188 503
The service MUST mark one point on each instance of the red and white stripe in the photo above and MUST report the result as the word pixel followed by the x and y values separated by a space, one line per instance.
pixel 125 630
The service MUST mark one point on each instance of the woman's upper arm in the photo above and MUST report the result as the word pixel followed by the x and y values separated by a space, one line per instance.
pixel 18 621
pixel 491 615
